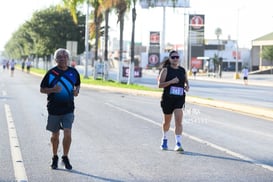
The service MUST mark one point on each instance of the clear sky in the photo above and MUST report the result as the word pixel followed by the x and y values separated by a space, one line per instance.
pixel 244 20
pixel 14 13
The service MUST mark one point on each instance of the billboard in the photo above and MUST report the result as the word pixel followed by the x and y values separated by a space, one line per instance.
pixel 196 29
pixel 196 39
pixel 154 49
pixel 164 3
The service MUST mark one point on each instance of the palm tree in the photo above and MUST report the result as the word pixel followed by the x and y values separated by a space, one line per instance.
pixel 101 6
pixel 95 26
pixel 132 67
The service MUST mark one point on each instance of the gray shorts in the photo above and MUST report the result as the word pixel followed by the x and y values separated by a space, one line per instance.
pixel 57 122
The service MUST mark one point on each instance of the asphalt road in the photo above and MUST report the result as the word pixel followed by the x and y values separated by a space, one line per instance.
pixel 116 137
pixel 224 89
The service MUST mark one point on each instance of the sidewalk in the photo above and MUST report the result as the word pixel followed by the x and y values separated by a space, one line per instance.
pixel 228 77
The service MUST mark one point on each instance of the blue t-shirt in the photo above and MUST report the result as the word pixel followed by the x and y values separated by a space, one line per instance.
pixel 62 102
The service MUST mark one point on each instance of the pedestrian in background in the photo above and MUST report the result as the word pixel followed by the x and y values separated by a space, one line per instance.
pixel 28 65
pixel 245 75
pixel 61 84
pixel 12 67
pixel 194 71
pixel 4 64
pixel 173 79
pixel 23 65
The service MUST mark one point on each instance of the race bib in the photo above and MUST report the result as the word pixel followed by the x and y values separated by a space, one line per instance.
pixel 179 91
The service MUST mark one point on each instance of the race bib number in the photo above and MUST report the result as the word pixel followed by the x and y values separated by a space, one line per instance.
pixel 179 91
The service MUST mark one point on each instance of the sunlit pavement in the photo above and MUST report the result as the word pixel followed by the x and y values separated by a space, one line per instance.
pixel 227 77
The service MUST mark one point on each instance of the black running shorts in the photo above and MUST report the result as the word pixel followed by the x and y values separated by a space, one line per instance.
pixel 169 104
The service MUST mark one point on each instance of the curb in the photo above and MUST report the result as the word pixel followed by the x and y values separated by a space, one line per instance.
pixel 264 113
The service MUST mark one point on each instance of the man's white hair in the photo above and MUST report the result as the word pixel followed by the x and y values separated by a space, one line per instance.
pixel 60 52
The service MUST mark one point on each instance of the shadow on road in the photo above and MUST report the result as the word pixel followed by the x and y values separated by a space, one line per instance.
pixel 214 156
pixel 89 175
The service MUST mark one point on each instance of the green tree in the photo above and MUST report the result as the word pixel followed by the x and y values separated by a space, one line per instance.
pixel 268 55
pixel 52 28
pixel 46 31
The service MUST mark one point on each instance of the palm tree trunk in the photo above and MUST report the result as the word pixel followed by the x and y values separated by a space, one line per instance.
pixel 121 27
pixel 132 65
pixel 97 36
pixel 106 29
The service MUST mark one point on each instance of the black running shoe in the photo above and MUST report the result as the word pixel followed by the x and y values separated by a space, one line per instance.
pixel 54 164
pixel 66 163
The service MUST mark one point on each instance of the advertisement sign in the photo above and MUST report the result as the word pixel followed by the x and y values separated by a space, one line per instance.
pixel 154 38
pixel 197 22
pixel 153 59
pixel 196 63
pixel 166 3
pixel 72 46
pixel 154 50
pixel 196 29
pixel 137 72
pixel 236 54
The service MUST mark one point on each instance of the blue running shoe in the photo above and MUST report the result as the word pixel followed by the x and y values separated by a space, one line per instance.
pixel 164 144
pixel 178 147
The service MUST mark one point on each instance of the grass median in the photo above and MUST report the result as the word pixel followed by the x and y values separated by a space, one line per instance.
pixel 102 82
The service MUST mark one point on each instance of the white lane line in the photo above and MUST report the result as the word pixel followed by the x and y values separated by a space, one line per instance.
pixel 235 154
pixel 4 93
pixel 18 165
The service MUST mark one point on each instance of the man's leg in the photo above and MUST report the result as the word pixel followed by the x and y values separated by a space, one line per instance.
pixel 66 147
pixel 66 141
pixel 55 142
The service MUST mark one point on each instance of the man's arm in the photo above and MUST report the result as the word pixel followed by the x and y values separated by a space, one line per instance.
pixel 76 90
pixel 56 89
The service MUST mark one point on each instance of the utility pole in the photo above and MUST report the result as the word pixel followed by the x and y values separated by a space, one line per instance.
pixel 86 40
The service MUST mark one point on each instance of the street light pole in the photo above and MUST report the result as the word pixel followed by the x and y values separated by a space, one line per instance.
pixel 86 40
pixel 237 76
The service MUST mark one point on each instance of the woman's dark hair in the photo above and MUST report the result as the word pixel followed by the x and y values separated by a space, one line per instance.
pixel 165 63
pixel 171 52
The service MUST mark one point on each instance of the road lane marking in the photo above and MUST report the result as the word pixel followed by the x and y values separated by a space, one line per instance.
pixel 244 129
pixel 18 165
pixel 4 93
pixel 217 147
pixel 134 114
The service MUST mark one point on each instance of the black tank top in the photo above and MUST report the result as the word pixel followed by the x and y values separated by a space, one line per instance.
pixel 175 90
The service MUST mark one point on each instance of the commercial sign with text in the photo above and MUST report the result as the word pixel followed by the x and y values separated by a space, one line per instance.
pixel 154 50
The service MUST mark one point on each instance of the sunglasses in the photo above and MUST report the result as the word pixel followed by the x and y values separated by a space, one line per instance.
pixel 175 57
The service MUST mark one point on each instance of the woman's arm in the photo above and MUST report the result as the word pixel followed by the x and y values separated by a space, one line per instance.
pixel 162 77
pixel 187 86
